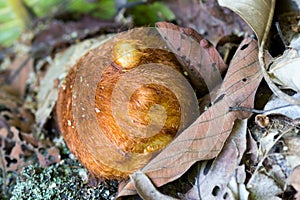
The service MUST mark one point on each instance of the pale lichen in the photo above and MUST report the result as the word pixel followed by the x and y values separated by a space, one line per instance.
pixel 66 180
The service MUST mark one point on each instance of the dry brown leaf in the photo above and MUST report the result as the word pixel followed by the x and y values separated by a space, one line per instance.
pixel 48 89
pixel 208 18
pixel 285 70
pixel 291 111
pixel 214 184
pixel 259 15
pixel 294 180
pixel 145 188
pixel 205 138
pixel 12 109
pixel 20 70
pixel 255 12
pixel 293 151
pixel 59 33
pixel 258 187
pixel 17 144
pixel 16 148
pixel 205 73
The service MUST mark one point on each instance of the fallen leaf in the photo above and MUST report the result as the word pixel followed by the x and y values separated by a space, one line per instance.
pixel 214 184
pixel 17 147
pixel 202 63
pixel 258 187
pixel 57 34
pixel 16 139
pixel 291 111
pixel 285 70
pixel 252 151
pixel 20 71
pixel 293 152
pixel 255 12
pixel 208 18
pixel 12 109
pixel 145 188
pixel 294 180
pixel 237 183
pixel 48 89
pixel 205 138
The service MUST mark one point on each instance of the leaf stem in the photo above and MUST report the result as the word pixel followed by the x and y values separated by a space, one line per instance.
pixel 255 110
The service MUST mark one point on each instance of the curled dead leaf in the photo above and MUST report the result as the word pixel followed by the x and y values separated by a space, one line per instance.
pixel 285 70
pixel 145 188
pixel 201 62
pixel 294 180
pixel 255 12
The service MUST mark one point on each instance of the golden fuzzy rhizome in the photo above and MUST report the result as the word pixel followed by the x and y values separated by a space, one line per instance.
pixel 123 102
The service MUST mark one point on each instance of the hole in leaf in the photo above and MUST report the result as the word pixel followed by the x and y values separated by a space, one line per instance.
pixel 51 158
pixel 8 146
pixel 42 151
pixel 23 147
pixel 10 161
pixel 244 46
pixel 216 191
pixel 225 195
pixel 219 98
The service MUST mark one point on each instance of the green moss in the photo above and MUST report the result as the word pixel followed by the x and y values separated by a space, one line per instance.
pixel 67 180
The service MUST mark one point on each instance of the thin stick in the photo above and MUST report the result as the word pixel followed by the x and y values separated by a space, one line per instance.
pixel 255 110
